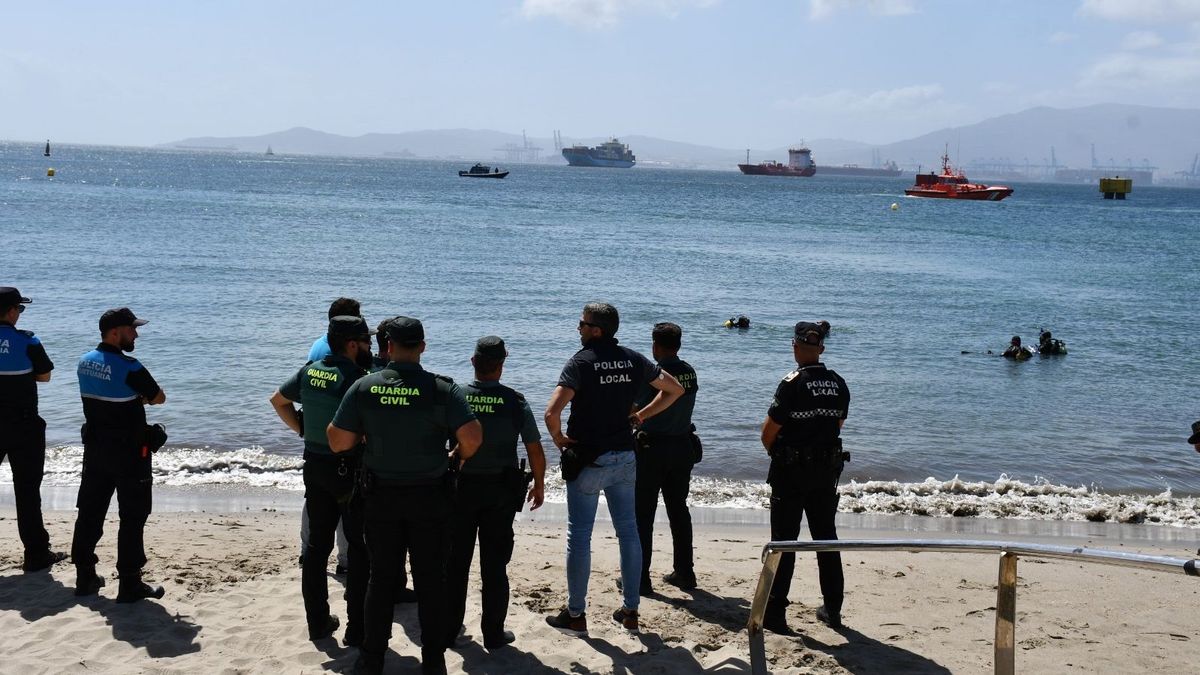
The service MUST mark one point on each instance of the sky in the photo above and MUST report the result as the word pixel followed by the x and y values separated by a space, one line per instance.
pixel 728 73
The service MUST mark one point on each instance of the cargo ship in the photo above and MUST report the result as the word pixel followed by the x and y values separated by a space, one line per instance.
pixel 613 154
pixel 951 184
pixel 889 169
pixel 799 164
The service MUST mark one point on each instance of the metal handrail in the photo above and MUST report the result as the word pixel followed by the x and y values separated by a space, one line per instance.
pixel 1006 587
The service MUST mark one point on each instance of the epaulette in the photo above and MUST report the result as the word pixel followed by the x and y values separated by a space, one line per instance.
pixel 26 333
pixel 791 376
pixel 519 395
pixel 445 378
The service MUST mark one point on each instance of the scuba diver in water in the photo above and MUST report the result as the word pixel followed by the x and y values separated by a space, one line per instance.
pixel 1016 350
pixel 1048 345
pixel 741 321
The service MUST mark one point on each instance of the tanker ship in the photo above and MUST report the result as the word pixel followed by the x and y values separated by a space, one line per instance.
pixel 613 154
pixel 799 164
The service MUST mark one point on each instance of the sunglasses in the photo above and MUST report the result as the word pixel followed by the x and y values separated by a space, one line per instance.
pixel 20 309
pixel 583 323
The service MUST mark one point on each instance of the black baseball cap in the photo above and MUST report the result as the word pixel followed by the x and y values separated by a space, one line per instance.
pixel 349 326
pixel 1195 438
pixel 122 316
pixel 808 333
pixel 491 347
pixel 405 330
pixel 10 296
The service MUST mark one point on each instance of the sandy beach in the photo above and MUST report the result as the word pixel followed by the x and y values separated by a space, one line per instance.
pixel 233 605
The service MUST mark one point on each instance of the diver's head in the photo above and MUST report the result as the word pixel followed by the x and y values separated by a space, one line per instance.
pixel 1016 341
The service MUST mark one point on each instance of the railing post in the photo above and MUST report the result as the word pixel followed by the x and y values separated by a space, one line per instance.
pixel 1006 615
pixel 758 609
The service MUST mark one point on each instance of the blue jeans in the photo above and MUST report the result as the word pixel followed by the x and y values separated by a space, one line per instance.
pixel 615 474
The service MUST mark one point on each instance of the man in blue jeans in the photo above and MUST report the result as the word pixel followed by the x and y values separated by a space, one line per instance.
pixel 601 382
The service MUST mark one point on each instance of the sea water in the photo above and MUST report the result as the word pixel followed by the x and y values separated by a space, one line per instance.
pixel 234 259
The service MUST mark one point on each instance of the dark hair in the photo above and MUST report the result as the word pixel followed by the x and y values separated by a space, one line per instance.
pixel 345 307
pixel 381 337
pixel 338 343
pixel 604 316
pixel 485 365
pixel 667 335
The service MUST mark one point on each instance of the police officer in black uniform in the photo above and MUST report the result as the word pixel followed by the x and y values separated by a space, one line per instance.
pixel 665 457
pixel 407 414
pixel 24 363
pixel 491 489
pixel 801 434
pixel 329 479
pixel 117 444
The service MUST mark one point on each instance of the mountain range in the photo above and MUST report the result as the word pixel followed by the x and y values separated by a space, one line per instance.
pixel 1123 135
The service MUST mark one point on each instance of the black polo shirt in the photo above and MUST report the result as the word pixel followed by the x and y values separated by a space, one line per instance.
pixel 809 403
pixel 606 378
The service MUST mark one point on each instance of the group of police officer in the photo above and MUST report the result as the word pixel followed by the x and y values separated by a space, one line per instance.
pixel 408 462
pixel 117 445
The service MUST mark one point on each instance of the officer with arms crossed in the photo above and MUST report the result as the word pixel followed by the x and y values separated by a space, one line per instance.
pixel 801 434
pixel 117 445
pixel 329 479
pixel 23 363
pixel 491 489
pixel 665 457
pixel 407 414
pixel 600 382
pixel 319 350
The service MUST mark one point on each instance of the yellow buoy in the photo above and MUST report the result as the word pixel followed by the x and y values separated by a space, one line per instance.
pixel 895 206
pixel 50 173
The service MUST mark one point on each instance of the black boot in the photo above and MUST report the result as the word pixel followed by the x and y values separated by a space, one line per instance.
pixel 86 581
pixel 775 619
pixel 132 590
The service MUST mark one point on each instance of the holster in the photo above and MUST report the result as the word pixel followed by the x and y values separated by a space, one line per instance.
pixel 575 458
pixel 516 486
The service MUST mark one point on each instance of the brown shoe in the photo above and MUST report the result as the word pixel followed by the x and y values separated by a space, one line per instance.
pixel 572 625
pixel 627 618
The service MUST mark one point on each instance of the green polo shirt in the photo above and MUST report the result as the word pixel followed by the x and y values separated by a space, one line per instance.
pixel 677 419
pixel 506 417
pixel 407 414
pixel 319 386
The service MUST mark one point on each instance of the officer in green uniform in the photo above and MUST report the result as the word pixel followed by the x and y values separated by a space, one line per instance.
pixel 378 362
pixel 407 415
pixel 491 489
pixel 665 457
pixel 328 478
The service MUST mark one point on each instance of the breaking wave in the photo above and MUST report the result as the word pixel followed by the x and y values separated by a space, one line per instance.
pixel 1002 498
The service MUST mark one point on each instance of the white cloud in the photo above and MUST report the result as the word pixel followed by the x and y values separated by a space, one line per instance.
pixel 1142 72
pixel 1061 37
pixel 823 9
pixel 603 13
pixel 884 100
pixel 1145 11
pixel 1142 39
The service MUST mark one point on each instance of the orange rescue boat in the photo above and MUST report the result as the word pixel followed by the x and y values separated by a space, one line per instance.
pixel 952 184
